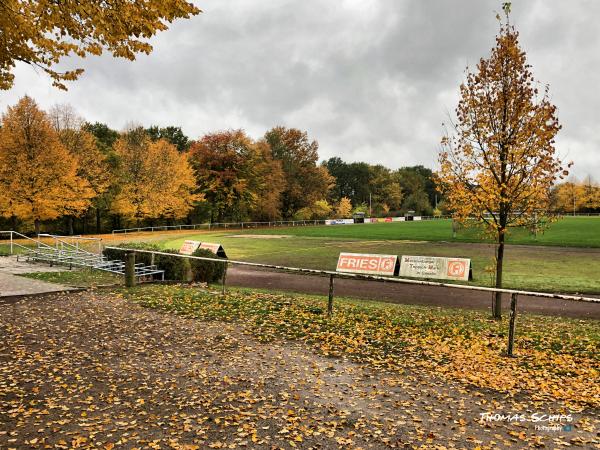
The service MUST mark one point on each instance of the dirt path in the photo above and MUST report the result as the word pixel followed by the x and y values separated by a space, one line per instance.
pixel 93 371
pixel 402 293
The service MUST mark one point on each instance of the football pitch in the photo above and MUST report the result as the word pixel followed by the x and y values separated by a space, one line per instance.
pixel 564 258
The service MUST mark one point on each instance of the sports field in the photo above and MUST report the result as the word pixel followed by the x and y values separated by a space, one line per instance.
pixel 568 232
pixel 566 258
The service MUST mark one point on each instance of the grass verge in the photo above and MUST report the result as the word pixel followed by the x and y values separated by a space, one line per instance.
pixel 557 358
pixel 79 278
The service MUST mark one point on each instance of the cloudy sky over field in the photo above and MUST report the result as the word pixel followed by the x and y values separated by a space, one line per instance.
pixel 371 80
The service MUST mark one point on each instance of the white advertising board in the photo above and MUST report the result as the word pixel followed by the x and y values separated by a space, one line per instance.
pixel 339 221
pixel 435 267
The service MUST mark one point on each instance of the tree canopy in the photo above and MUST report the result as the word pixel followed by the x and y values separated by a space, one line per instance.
pixel 43 32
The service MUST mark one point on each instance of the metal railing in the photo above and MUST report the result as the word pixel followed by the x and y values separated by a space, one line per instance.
pixel 514 293
pixel 71 254
pixel 16 236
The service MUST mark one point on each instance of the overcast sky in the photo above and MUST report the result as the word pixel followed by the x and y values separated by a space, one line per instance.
pixel 371 80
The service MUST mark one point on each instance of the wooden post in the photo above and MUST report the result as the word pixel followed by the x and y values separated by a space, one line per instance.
pixel 223 279
pixel 330 300
pixel 130 269
pixel 513 319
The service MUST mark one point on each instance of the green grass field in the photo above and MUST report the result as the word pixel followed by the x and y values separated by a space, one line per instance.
pixel 546 266
pixel 567 232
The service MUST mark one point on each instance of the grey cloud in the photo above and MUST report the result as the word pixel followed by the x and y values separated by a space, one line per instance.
pixel 370 80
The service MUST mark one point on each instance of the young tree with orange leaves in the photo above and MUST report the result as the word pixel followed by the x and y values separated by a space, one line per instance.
pixel 499 164
pixel 38 175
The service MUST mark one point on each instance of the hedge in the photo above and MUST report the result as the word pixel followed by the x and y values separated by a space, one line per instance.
pixel 207 271
pixel 176 268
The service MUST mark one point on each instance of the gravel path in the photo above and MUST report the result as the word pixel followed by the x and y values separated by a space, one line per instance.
pixel 90 370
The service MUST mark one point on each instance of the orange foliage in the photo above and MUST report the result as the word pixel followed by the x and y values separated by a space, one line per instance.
pixel 38 176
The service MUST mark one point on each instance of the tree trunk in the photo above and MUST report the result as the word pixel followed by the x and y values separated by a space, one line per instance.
pixel 499 260
pixel 98 220
pixel 13 222
pixel 70 225
pixel 36 223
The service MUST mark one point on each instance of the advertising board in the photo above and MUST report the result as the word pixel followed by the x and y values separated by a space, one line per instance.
pixel 435 267
pixel 217 249
pixel 188 247
pixel 369 264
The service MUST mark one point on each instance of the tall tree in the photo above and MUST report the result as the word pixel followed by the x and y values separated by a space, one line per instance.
pixel 92 162
pixel 105 136
pixel 268 183
pixel 43 32
pixel 238 176
pixel 171 134
pixel 499 163
pixel 155 180
pixel 38 175
pixel 306 182
pixel 385 191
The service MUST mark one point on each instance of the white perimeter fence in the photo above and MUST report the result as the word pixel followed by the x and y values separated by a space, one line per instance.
pixel 294 223
pixel 276 223
pixel 514 293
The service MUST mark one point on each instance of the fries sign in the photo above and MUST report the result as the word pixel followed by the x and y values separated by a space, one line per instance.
pixel 368 264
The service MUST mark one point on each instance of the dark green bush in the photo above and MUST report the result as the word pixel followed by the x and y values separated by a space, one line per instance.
pixel 176 268
pixel 207 271
pixel 143 258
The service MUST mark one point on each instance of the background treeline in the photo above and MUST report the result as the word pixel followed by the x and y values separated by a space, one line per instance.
pixel 59 173
pixel 575 196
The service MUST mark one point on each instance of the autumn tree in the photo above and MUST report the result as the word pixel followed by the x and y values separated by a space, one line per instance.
pixel 386 192
pixel 155 180
pixel 343 208
pixel 498 162
pixel 42 32
pixel 92 162
pixel 568 197
pixel 591 194
pixel 306 182
pixel 268 182
pixel 38 176
pixel 238 176
pixel 319 210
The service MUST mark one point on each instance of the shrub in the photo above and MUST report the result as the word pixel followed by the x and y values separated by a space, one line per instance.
pixel 143 258
pixel 175 267
pixel 207 271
